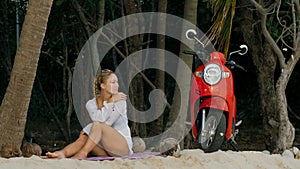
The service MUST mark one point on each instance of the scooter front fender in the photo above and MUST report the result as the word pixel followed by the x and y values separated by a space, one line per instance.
pixel 220 104
pixel 215 103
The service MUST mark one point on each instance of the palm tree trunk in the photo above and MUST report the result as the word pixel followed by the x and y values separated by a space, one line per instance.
pixel 160 75
pixel 135 44
pixel 100 13
pixel 13 110
pixel 190 14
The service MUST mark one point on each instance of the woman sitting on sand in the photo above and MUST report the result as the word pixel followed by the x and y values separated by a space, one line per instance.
pixel 109 134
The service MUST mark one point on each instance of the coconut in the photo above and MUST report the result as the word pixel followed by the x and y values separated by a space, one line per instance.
pixel 139 145
pixel 169 147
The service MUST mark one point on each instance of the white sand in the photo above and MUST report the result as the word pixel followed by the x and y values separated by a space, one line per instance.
pixel 189 159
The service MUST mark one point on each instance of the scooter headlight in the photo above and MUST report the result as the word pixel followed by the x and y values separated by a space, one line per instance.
pixel 212 74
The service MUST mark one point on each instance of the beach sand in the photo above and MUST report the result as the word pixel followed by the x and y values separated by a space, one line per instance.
pixel 189 159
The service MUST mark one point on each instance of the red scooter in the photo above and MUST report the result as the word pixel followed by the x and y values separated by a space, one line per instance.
pixel 212 99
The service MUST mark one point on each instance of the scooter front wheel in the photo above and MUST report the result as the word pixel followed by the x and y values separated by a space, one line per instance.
pixel 212 137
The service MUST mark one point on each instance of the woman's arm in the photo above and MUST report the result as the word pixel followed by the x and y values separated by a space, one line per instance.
pixel 98 114
pixel 109 113
pixel 118 110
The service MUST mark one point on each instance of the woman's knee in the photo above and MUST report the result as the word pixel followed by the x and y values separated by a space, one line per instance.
pixel 99 124
pixel 82 137
pixel 98 127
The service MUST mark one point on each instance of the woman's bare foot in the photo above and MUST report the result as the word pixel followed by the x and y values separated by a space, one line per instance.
pixel 80 155
pixel 56 154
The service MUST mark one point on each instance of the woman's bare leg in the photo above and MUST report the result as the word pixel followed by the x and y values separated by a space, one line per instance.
pixel 70 149
pixel 91 142
pixel 98 151
pixel 113 142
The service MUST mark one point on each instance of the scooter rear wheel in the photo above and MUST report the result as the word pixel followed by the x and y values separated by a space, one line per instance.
pixel 212 137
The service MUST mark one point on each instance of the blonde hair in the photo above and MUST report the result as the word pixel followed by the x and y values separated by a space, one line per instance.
pixel 101 78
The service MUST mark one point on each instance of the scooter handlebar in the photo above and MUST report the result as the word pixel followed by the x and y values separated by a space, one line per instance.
pixel 188 52
pixel 232 63
pixel 240 67
pixel 202 55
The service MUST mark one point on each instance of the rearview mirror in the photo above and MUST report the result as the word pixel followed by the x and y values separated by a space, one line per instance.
pixel 245 48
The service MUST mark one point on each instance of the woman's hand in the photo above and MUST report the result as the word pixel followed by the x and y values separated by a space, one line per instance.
pixel 117 97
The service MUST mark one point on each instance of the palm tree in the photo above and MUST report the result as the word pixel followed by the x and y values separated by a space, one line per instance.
pixel 190 14
pixel 220 31
pixel 13 110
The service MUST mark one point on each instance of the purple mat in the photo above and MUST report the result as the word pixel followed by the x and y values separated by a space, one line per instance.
pixel 133 156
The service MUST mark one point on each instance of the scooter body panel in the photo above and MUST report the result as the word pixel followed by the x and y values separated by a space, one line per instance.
pixel 219 96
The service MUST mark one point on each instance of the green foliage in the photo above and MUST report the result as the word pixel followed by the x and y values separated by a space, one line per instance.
pixel 65 37
pixel 89 6
pixel 274 29
pixel 59 2
pixel 220 31
pixel 280 21
pixel 8 39
pixel 176 7
pixel 204 16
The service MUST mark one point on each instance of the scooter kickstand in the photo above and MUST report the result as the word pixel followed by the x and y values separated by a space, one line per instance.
pixel 233 143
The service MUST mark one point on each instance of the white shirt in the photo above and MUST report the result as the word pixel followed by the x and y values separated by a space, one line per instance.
pixel 112 114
